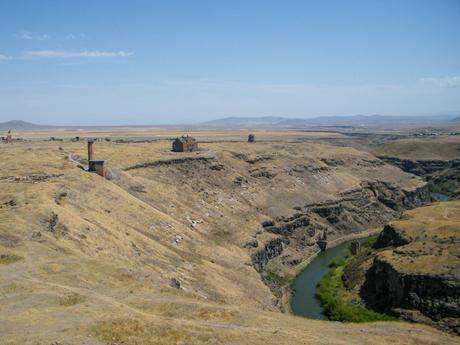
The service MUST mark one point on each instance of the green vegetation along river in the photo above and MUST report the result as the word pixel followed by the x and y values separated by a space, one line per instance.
pixel 304 302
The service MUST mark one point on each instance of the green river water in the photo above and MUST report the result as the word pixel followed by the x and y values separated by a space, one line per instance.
pixel 303 301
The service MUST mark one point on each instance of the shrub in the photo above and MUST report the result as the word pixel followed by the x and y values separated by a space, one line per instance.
pixel 70 299
pixel 8 258
pixel 330 293
pixel 276 279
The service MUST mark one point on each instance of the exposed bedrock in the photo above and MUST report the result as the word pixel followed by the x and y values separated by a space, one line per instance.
pixel 443 176
pixel 421 167
pixel 436 296
pixel 390 236
pixel 174 161
pixel 415 270
pixel 372 204
pixel 272 248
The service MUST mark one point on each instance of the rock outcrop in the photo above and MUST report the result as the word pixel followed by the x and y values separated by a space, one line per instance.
pixel 272 248
pixel 421 167
pixel 443 175
pixel 416 269
pixel 375 203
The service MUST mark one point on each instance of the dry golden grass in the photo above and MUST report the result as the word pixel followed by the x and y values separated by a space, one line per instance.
pixel 113 242
pixel 159 133
pixel 70 299
pixel 434 232
pixel 6 259
pixel 426 148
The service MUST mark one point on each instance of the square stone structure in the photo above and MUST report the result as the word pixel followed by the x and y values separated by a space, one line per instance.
pixel 184 144
pixel 97 166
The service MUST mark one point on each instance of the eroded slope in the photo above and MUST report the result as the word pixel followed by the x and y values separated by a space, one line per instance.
pixel 418 273
pixel 155 255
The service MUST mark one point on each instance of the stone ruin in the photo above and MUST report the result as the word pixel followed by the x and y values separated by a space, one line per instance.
pixel 184 144
pixel 96 166
pixel 8 139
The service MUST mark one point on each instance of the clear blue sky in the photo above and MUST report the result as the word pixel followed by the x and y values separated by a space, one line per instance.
pixel 148 62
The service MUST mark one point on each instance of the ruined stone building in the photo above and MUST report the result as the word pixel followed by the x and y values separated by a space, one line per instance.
pixel 8 139
pixel 184 144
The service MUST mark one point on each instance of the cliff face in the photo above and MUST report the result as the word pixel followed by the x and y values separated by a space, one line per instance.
pixel 370 205
pixel 444 175
pixel 416 272
pixel 436 296
pixel 422 167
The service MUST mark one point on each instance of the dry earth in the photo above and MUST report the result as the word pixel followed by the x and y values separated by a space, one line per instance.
pixel 88 260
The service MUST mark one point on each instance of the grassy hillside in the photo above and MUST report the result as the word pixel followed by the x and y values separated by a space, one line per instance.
pixel 427 148
pixel 155 254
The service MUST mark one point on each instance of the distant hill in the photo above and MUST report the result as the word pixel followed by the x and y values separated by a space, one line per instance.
pixel 327 121
pixel 20 125
pixel 245 121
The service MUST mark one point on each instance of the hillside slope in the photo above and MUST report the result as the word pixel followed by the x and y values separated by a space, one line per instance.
pixel 414 270
pixel 156 254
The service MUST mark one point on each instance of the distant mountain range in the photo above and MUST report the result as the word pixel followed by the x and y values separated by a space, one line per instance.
pixel 328 121
pixel 353 121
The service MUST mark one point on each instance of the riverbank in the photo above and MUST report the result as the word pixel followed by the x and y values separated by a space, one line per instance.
pixel 335 299
pixel 286 297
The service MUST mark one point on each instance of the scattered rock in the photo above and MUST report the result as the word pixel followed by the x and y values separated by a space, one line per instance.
pixel 9 203
pixel 262 172
pixel 7 240
pixel 251 244
pixel 110 174
pixel 217 166
pixel 59 196
pixel 194 222
pixel 35 236
pixel 175 283
pixel 53 222
pixel 239 180
pixel 332 162
pixel 290 261
pixel 267 223
pixel 178 239
pixel 30 178
pixel 258 158
pixel 138 188
pixel 173 161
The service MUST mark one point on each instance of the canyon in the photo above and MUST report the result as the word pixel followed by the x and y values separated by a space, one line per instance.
pixel 169 246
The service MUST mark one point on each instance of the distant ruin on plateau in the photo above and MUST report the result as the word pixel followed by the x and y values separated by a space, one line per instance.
pixel 184 144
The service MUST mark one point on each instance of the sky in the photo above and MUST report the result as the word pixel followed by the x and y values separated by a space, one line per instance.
pixel 115 62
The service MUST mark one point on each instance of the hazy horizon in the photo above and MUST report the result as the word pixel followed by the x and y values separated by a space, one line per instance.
pixel 419 117
pixel 142 62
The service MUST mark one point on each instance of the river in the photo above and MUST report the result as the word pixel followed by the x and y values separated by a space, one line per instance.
pixel 303 301
pixel 439 196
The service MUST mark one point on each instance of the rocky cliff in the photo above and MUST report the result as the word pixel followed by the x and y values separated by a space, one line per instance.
pixel 422 167
pixel 416 269
pixel 359 209
pixel 443 175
